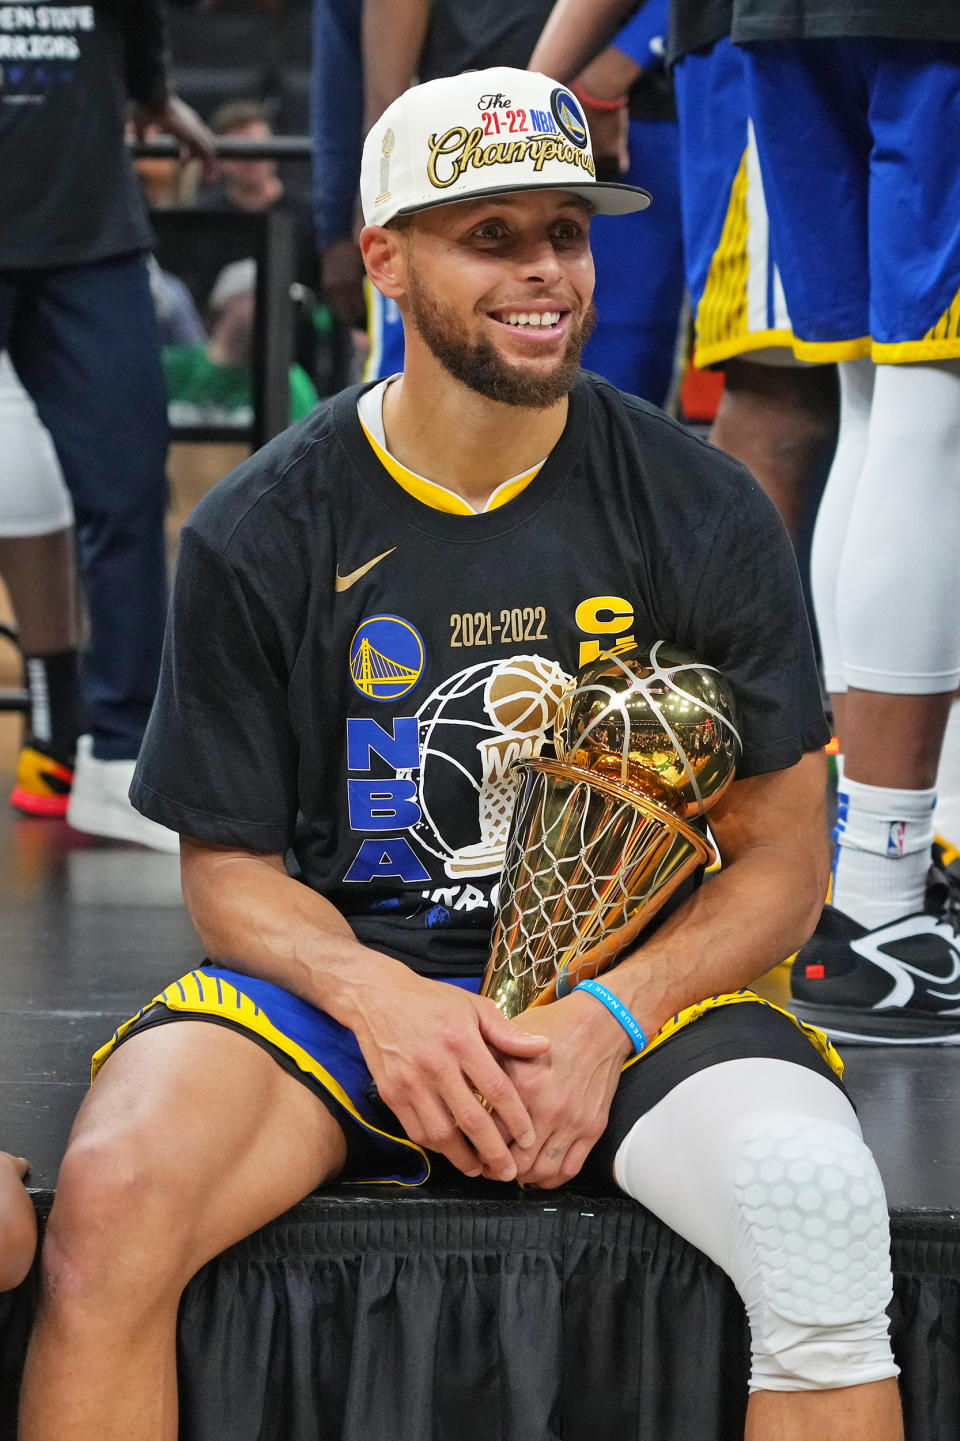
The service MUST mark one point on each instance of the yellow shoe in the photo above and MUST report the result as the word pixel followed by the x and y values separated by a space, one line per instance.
pixel 44 779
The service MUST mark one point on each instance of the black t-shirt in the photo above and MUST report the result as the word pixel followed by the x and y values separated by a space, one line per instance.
pixel 348 672
pixel 696 25
pixel 473 34
pixel 68 194
pixel 937 20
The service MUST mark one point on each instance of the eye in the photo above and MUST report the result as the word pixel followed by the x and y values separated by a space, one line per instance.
pixel 489 230
pixel 567 231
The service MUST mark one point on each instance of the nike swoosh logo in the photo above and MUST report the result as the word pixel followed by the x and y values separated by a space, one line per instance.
pixel 344 582
pixel 901 972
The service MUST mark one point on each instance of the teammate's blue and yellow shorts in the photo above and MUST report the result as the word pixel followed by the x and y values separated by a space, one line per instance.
pixel 325 1056
pixel 735 289
pixel 857 139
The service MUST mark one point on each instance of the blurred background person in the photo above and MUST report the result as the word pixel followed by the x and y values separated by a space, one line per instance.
pixel 211 383
pixel 253 185
pixel 78 321
pixel 38 564
pixel 336 126
pixel 627 96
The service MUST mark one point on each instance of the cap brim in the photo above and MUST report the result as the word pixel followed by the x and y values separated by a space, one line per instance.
pixel 606 197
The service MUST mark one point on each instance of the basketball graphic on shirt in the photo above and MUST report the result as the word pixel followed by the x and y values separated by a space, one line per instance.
pixel 473 728
pixel 522 694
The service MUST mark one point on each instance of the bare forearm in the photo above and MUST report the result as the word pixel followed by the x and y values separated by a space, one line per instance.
pixel 431 1048
pixel 610 75
pixel 573 35
pixel 738 925
pixel 249 913
pixel 393 36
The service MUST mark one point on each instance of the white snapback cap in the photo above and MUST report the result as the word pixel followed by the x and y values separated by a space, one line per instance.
pixel 483 133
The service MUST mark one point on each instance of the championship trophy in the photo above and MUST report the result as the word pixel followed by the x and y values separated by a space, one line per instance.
pixel 646 742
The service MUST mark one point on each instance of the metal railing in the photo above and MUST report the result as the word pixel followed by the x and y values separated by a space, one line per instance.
pixel 270 240
pixel 229 147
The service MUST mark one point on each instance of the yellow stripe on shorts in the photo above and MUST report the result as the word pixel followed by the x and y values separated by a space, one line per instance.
pixel 723 315
pixel 819 1039
pixel 196 994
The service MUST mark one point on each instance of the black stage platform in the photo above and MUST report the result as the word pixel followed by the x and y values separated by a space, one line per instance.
pixel 292 1325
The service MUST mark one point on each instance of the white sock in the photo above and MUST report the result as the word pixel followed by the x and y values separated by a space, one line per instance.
pixel 883 851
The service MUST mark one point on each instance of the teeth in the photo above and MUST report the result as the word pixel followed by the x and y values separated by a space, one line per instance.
pixel 535 318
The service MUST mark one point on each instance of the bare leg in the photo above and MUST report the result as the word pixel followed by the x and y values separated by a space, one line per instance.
pixel 40 573
pixel 191 1138
pixel 781 421
pixel 892 740
pixel 851 1413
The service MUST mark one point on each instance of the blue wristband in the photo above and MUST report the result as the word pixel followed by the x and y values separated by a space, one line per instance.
pixel 618 1010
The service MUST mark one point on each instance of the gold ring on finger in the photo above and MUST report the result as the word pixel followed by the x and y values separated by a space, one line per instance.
pixel 487 1106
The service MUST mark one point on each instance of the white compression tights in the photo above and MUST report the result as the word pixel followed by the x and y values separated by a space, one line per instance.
pixel 884 562
pixel 761 1165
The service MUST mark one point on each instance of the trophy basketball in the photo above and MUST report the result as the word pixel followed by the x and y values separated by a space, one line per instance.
pixel 646 742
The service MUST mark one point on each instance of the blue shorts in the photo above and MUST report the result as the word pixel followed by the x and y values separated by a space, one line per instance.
pixel 325 1056
pixel 858 144
pixel 639 268
pixel 735 289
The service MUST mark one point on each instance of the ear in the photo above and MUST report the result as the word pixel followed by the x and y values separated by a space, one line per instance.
pixel 384 255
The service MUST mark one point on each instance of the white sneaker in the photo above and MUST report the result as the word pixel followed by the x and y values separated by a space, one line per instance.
pixel 99 804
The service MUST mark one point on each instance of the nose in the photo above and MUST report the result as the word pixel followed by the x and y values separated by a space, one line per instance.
pixel 539 262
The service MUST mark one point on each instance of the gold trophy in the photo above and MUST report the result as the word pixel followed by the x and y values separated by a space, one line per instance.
pixel 646 742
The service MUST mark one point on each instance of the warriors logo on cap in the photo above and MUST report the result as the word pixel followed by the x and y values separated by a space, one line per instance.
pixel 569 117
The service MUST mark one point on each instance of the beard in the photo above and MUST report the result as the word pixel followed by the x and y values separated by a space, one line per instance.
pixel 477 363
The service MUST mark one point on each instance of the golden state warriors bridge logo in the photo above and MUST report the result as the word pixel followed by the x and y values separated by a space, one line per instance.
pixel 386 657
pixel 569 117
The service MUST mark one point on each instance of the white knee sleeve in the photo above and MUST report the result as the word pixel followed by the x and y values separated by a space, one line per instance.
pixel 33 497
pixel 810 1197
pixel 898 563
pixel 761 1165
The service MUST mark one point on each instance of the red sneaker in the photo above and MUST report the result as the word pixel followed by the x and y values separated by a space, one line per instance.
pixel 43 781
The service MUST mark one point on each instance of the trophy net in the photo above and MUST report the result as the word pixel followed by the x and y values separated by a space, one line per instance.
pixel 588 863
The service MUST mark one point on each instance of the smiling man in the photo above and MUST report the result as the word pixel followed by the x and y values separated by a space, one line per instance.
pixel 373 618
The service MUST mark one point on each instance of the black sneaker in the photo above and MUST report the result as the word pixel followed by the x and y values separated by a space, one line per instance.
pixel 897 985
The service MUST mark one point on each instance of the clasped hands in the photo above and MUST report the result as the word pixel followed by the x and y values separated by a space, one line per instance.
pixel 509 1100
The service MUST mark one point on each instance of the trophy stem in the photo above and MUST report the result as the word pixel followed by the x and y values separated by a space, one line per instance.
pixel 589 862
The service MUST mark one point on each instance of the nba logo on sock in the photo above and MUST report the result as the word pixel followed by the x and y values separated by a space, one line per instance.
pixel 895 838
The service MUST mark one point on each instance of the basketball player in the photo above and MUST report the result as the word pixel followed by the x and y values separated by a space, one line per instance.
pixel 865 215
pixel 368 614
